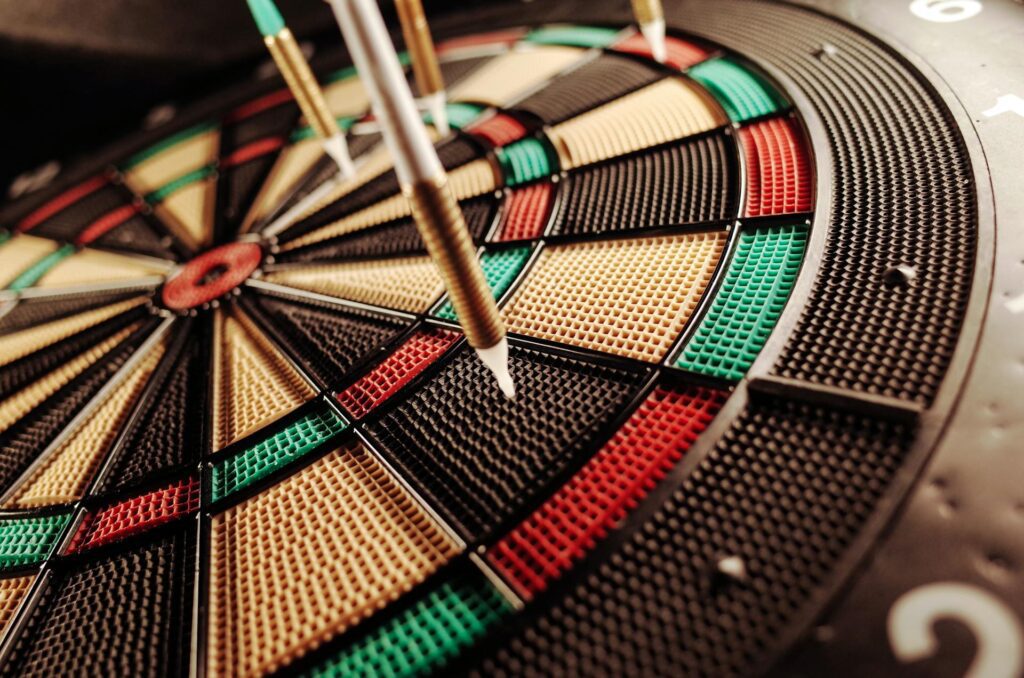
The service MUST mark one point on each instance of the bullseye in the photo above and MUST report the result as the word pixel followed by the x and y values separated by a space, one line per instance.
pixel 211 275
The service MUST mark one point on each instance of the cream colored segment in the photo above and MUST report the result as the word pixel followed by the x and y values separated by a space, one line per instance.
pixel 176 161
pixel 253 383
pixel 665 111
pixel 503 79
pixel 406 283
pixel 12 591
pixel 64 477
pixel 291 165
pixel 310 557
pixel 627 297
pixel 346 97
pixel 20 252
pixel 22 402
pixel 190 211
pixel 472 179
pixel 19 344
pixel 93 266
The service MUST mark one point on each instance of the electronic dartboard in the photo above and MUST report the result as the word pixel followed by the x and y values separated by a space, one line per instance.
pixel 765 303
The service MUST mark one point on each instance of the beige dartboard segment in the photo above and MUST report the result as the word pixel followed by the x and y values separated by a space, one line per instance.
pixel 346 97
pixel 172 158
pixel 66 474
pixel 253 383
pixel 311 557
pixel 12 592
pixel 507 77
pixel 189 211
pixel 25 342
pixel 93 266
pixel 20 252
pixel 22 402
pixel 472 179
pixel 405 283
pixel 668 110
pixel 291 165
pixel 627 297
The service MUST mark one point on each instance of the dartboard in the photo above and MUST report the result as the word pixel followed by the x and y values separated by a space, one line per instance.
pixel 763 346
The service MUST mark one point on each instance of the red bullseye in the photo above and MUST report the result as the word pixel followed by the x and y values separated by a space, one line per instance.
pixel 211 275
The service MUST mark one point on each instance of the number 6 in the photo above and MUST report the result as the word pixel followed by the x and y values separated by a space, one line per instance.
pixel 945 11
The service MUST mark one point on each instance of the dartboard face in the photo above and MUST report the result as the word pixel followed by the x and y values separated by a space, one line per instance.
pixel 241 431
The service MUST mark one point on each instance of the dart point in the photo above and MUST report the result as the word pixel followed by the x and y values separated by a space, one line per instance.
pixel 496 360
pixel 654 33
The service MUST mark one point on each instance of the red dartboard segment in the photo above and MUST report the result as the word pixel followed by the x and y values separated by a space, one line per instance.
pixel 681 54
pixel 568 524
pixel 263 103
pixel 395 371
pixel 137 515
pixel 211 275
pixel 251 151
pixel 507 37
pixel 61 202
pixel 498 130
pixel 778 169
pixel 106 223
pixel 525 212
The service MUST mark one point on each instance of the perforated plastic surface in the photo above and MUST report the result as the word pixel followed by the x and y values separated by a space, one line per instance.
pixel 500 268
pixel 510 75
pixel 786 489
pixel 745 308
pixel 164 436
pixel 259 460
pixel 669 109
pixel 27 541
pixel 137 515
pixel 444 620
pixel 478 456
pixel 12 592
pixel 66 215
pixel 627 297
pixel 125 614
pixel 525 212
pixel 690 182
pixel 779 175
pixel 391 239
pixel 404 283
pixel 253 383
pixel 42 410
pixel 679 53
pixel 525 160
pixel 33 312
pixel 329 339
pixel 603 79
pixel 742 93
pixel 64 475
pixel 566 526
pixel 500 129
pixel 414 355
pixel 579 36
pixel 311 557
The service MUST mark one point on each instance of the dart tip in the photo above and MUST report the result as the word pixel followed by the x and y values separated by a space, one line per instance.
pixel 337 148
pixel 437 106
pixel 496 360
pixel 654 33
pixel 268 18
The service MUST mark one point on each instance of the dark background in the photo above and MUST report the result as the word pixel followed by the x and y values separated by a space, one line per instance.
pixel 78 74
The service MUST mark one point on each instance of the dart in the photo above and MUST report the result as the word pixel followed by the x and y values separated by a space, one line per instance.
pixel 424 182
pixel 293 66
pixel 420 44
pixel 651 18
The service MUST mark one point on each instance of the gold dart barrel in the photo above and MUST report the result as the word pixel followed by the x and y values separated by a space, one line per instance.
pixel 647 11
pixel 416 32
pixel 443 228
pixel 302 82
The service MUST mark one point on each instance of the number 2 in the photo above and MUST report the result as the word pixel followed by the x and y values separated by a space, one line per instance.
pixel 996 628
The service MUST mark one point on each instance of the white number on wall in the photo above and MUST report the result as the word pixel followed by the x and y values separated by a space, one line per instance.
pixel 996 629
pixel 945 11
